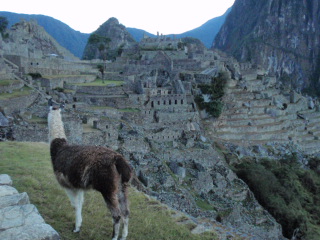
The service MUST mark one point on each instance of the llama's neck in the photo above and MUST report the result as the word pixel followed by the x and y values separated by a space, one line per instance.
pixel 55 125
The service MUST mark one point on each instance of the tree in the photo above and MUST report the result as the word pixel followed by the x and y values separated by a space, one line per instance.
pixel 3 24
pixel 101 70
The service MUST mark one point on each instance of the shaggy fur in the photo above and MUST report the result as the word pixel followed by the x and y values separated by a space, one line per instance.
pixel 78 168
pixel 55 124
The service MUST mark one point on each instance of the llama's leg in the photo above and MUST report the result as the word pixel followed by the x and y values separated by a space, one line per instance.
pixel 76 198
pixel 71 195
pixel 113 205
pixel 78 207
pixel 124 206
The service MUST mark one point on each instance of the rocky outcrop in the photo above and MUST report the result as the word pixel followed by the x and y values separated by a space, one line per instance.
pixel 108 41
pixel 197 181
pixel 282 36
pixel 28 39
pixel 18 218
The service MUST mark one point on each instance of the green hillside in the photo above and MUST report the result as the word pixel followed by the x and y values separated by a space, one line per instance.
pixel 30 168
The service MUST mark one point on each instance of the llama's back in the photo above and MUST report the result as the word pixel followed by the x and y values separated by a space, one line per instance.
pixel 89 166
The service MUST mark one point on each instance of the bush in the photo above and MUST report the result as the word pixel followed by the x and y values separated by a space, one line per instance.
pixel 35 75
pixel 288 192
pixel 215 91
pixel 3 25
pixel 59 89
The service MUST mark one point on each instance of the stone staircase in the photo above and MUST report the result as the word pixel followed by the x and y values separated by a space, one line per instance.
pixel 17 75
pixel 257 113
pixel 18 218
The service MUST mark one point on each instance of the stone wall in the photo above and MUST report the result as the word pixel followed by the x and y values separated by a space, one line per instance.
pixel 118 102
pixel 65 82
pixel 18 218
pixel 101 90
pixel 48 66
pixel 170 102
pixel 31 133
pixel 17 104
pixel 73 128
pixel 14 85
pixel 166 135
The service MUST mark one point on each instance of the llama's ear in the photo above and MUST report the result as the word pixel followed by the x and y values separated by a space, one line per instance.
pixel 62 105
pixel 50 102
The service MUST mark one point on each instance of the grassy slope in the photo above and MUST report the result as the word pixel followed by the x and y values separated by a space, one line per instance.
pixel 30 168
pixel 100 82
pixel 16 93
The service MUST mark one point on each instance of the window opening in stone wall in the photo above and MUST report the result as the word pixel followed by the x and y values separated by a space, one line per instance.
pixel 158 102
pixel 152 104
pixel 175 102
pixel 181 101
pixel 169 102
pixel 164 102
pixel 107 126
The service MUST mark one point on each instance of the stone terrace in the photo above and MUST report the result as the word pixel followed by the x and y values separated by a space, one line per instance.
pixel 256 113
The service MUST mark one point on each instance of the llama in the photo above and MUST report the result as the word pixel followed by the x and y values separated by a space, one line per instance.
pixel 78 168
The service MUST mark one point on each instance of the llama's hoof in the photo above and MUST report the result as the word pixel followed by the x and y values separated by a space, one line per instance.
pixel 76 230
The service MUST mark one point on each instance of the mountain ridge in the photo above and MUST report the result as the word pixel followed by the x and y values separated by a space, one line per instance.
pixel 281 36
pixel 75 41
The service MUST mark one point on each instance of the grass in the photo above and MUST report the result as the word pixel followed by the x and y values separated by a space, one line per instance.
pixel 100 82
pixel 89 128
pixel 204 205
pixel 118 109
pixel 30 168
pixel 129 110
pixel 63 76
pixel 38 120
pixel 8 82
pixel 17 93
pixel 101 107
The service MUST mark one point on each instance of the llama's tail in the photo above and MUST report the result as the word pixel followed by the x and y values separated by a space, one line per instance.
pixel 124 169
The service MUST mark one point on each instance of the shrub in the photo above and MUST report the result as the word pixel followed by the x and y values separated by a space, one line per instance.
pixel 288 192
pixel 35 75
pixel 3 25
pixel 215 90
pixel 59 89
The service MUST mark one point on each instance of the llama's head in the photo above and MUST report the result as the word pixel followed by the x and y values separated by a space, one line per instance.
pixel 55 106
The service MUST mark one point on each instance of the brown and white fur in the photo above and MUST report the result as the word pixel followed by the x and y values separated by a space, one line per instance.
pixel 78 168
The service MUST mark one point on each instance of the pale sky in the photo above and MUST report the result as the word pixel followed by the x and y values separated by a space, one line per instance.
pixel 165 16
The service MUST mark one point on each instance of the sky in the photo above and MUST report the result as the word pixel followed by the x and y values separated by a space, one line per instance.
pixel 164 16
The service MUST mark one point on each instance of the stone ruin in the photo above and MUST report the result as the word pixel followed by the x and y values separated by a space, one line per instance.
pixel 153 109
pixel 19 219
